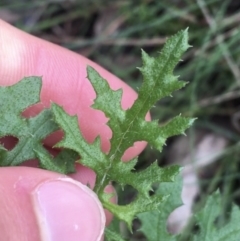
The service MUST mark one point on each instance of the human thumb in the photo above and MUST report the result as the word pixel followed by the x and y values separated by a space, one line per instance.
pixel 38 205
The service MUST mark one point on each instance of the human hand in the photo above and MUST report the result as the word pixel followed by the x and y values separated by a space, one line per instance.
pixel 37 204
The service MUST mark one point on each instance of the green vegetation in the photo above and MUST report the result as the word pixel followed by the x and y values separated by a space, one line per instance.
pixel 211 67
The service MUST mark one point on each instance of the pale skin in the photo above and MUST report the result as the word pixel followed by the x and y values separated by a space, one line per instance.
pixel 29 196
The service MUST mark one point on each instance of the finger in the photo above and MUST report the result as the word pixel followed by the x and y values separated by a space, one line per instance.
pixel 41 205
pixel 64 81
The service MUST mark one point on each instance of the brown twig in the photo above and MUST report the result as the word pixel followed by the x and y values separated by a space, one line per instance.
pixel 219 99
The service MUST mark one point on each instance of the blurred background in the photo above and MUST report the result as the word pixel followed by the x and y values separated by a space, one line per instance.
pixel 112 33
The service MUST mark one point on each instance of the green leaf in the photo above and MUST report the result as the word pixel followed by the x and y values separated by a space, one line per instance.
pixel 154 223
pixel 29 131
pixel 206 219
pixel 129 126
pixel 3 153
pixel 110 235
pixel 158 81
pixel 62 163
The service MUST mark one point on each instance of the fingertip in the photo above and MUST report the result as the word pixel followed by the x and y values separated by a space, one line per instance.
pixel 68 210
pixel 41 205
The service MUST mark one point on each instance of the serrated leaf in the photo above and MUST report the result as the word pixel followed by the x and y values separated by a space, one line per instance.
pixel 129 126
pixel 206 219
pixel 29 131
pixel 62 163
pixel 153 224
pixel 3 152
pixel 92 156
pixel 110 235
pixel 158 82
